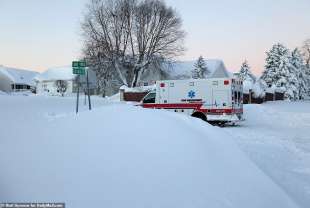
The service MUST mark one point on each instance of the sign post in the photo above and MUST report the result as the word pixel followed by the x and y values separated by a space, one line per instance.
pixel 87 82
pixel 79 68
pixel 77 94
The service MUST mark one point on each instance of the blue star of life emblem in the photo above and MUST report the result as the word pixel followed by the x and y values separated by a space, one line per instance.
pixel 191 94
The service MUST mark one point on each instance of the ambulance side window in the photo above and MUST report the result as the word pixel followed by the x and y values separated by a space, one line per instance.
pixel 150 98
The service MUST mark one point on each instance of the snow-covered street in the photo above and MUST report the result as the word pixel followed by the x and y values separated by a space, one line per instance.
pixel 276 136
pixel 119 155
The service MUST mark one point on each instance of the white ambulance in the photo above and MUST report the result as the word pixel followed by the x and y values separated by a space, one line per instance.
pixel 216 100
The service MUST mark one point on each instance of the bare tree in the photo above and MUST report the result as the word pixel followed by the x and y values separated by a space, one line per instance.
pixel 61 86
pixel 101 67
pixel 131 35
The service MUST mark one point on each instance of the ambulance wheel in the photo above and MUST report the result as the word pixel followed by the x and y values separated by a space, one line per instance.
pixel 200 116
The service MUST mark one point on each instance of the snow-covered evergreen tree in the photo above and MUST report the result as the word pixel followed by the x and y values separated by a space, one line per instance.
pixel 307 74
pixel 300 72
pixel 247 77
pixel 245 72
pixel 279 72
pixel 200 70
pixel 306 56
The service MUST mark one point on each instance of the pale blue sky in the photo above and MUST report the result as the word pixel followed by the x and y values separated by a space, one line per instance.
pixel 37 34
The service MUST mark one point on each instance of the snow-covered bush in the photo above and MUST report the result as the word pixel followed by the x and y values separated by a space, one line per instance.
pixel 250 82
pixel 259 89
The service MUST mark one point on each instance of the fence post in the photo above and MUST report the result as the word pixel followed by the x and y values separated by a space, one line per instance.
pixel 122 92
pixel 250 96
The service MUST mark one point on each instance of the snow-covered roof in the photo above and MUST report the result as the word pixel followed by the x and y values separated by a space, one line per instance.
pixel 184 69
pixel 218 70
pixel 56 73
pixel 19 76
pixel 138 89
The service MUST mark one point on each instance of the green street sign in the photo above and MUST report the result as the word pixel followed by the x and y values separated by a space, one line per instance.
pixel 77 64
pixel 79 67
pixel 79 71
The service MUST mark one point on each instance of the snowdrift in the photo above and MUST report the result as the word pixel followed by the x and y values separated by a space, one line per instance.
pixel 124 156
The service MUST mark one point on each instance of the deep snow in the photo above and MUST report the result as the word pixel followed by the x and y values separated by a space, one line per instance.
pixel 124 156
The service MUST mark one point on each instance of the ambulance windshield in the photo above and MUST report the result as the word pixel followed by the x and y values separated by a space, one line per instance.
pixel 150 98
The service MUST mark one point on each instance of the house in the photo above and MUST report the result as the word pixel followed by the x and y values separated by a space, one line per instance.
pixel 15 80
pixel 180 70
pixel 183 69
pixel 61 80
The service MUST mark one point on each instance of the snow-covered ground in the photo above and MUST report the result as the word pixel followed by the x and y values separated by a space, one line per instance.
pixel 119 155
pixel 2 93
pixel 276 136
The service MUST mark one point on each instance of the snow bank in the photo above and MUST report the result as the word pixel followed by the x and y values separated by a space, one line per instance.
pixel 115 98
pixel 124 156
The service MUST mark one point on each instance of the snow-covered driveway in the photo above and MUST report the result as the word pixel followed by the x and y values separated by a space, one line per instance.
pixel 276 136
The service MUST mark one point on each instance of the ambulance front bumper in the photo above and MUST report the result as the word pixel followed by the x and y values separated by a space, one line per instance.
pixel 225 118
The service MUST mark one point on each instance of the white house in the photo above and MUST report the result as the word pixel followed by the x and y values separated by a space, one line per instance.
pixel 46 82
pixel 183 69
pixel 13 80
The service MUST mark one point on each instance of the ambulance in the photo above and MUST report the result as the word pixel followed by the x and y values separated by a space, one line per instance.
pixel 215 100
